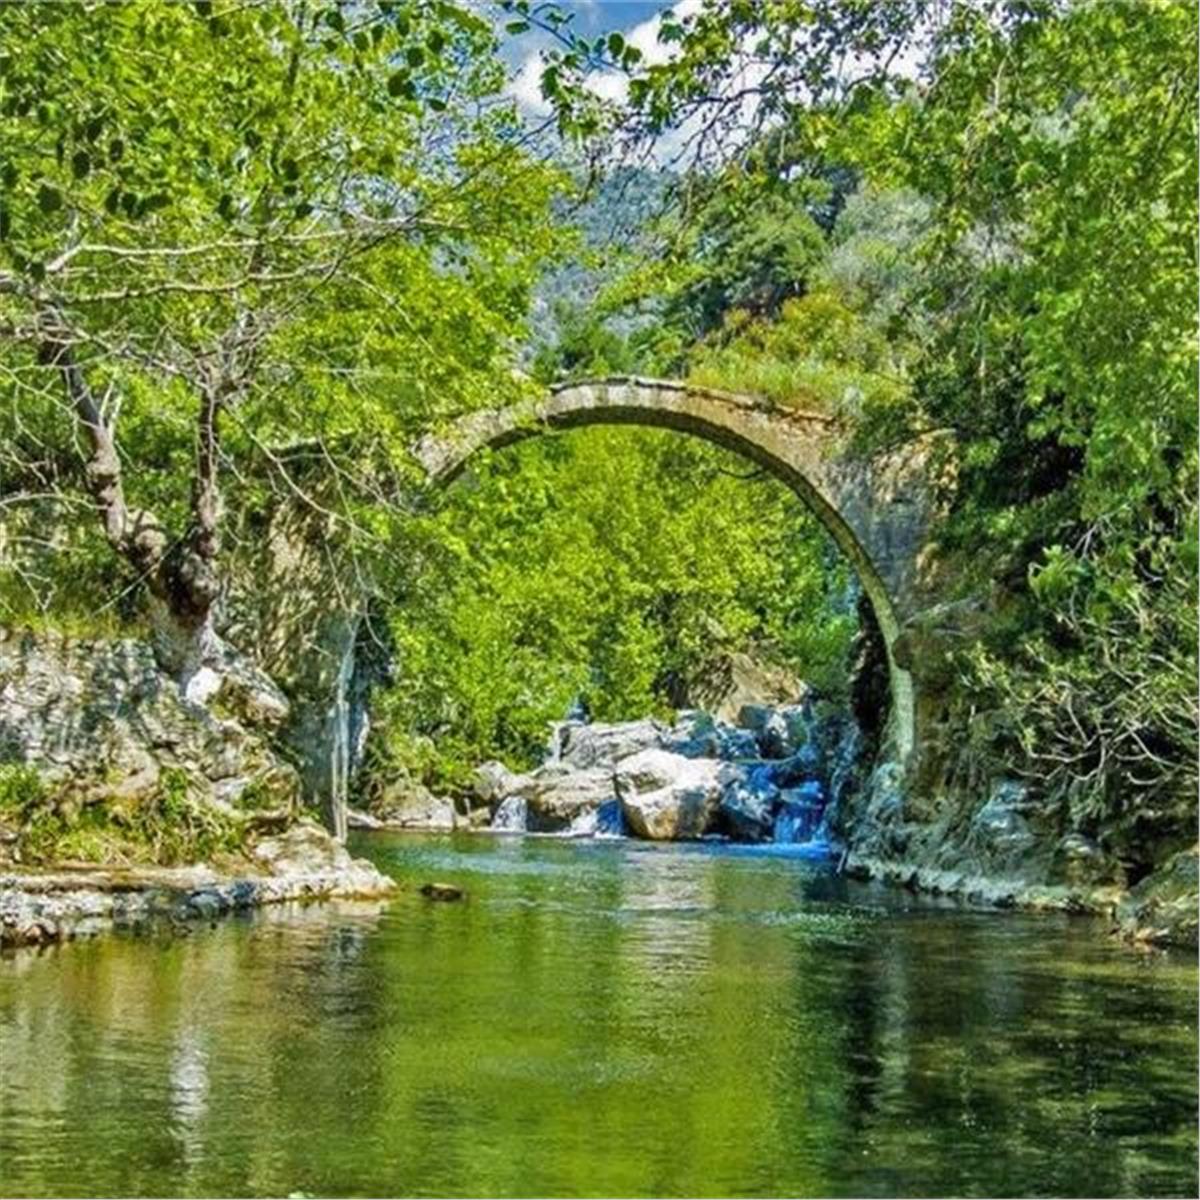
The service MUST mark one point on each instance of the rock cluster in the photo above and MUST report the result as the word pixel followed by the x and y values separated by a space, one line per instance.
pixel 692 778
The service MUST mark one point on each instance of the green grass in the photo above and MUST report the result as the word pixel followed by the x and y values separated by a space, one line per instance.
pixel 168 827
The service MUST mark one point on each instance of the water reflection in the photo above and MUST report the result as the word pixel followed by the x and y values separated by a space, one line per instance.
pixel 602 1019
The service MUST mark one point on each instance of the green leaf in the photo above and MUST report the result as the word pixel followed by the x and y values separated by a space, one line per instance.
pixel 49 198
pixel 81 164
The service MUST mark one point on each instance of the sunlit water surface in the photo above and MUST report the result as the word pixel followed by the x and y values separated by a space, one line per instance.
pixel 602 1019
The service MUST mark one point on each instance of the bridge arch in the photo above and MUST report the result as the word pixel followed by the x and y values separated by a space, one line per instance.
pixel 876 509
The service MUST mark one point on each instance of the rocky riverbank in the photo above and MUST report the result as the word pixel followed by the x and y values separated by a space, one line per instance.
pixel 111 773
pixel 802 775
pixel 57 904
pixel 103 759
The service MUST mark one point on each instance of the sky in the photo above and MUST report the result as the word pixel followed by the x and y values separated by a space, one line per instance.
pixel 637 19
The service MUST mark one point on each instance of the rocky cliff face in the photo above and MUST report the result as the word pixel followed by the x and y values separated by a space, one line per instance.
pixel 956 819
pixel 298 608
pixel 104 757
pixel 101 723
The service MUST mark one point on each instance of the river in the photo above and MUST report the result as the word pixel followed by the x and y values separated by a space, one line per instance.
pixel 602 1018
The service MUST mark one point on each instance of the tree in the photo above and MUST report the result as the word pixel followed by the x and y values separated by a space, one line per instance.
pixel 207 209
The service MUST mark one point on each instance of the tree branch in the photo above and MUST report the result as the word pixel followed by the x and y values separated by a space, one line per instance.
pixel 134 534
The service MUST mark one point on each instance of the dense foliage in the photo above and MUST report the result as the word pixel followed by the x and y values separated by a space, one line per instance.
pixel 615 568
pixel 326 233
pixel 1060 159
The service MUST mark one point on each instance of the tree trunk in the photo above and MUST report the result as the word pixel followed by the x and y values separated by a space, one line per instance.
pixel 180 574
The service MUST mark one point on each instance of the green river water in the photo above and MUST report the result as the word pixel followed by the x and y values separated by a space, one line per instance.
pixel 602 1018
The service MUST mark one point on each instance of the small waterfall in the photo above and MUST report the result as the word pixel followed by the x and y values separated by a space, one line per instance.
pixel 610 820
pixel 799 815
pixel 512 816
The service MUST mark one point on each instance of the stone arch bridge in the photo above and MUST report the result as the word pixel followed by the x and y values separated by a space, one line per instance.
pixel 879 510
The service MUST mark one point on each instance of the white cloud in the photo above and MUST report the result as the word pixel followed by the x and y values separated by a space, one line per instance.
pixel 526 84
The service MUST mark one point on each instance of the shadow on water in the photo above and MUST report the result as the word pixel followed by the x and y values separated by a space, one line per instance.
pixel 603 1018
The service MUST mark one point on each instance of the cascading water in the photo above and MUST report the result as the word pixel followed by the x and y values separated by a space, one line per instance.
pixel 799 815
pixel 787 771
pixel 512 816
pixel 610 820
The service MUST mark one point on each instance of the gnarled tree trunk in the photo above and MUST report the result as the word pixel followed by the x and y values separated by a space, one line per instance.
pixel 180 573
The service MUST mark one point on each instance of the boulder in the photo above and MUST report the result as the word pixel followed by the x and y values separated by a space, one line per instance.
pixel 557 797
pixel 775 740
pixel 666 797
pixel 1163 908
pixel 492 782
pixel 582 746
pixel 442 891
pixel 305 849
pixel 748 804
pixel 734 680
pixel 404 804
pixel 754 716
pixel 697 734
pixel 780 731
